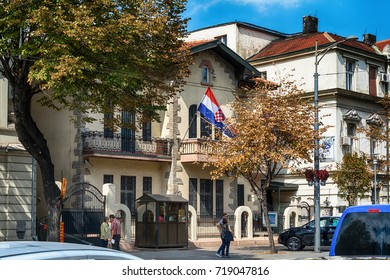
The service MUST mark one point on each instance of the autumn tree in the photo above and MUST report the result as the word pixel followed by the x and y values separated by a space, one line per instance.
pixel 89 56
pixel 274 132
pixel 353 177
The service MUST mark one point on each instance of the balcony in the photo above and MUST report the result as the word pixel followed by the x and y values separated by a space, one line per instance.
pixel 95 144
pixel 193 150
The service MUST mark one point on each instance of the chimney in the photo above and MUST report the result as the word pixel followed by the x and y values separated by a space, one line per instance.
pixel 310 24
pixel 369 39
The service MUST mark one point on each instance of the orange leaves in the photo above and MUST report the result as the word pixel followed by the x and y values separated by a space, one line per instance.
pixel 276 130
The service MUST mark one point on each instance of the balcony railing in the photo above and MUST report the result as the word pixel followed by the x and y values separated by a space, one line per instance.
pixel 95 142
pixel 193 150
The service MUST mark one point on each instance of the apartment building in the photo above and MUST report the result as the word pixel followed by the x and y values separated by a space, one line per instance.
pixel 353 77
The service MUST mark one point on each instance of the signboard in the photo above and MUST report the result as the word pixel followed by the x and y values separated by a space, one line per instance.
pixel 273 219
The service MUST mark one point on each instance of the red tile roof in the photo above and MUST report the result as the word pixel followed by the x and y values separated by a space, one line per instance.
pixel 382 44
pixel 306 41
pixel 196 43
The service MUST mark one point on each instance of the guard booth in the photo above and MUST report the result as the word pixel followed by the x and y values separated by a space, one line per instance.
pixel 162 221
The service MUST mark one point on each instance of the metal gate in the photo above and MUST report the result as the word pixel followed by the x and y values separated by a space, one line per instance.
pixel 83 213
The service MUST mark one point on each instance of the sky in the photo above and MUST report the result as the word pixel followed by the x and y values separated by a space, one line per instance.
pixel 342 17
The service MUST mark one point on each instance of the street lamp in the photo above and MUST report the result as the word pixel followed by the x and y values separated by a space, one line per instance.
pixel 318 57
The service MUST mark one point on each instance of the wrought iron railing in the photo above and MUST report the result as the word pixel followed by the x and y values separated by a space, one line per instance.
pixel 95 141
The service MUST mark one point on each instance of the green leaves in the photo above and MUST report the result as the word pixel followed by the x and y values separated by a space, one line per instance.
pixel 84 52
pixel 353 177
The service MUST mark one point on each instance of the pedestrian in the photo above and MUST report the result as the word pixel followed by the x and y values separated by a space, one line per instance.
pixel 115 232
pixel 227 237
pixel 219 226
pixel 105 233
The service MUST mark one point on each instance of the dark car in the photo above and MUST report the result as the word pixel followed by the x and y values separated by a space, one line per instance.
pixel 363 233
pixel 297 238
pixel 42 250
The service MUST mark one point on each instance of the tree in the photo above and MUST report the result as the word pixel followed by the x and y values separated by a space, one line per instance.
pixel 90 56
pixel 353 177
pixel 274 131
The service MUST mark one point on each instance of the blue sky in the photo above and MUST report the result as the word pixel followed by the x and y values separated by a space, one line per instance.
pixel 343 17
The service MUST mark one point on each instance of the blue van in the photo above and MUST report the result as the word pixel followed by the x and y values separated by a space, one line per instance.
pixel 363 231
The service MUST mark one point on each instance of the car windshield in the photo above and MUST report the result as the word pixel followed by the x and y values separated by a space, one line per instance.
pixel 364 234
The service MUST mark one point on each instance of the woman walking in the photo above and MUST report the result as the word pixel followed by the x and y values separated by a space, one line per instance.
pixel 227 237
pixel 105 233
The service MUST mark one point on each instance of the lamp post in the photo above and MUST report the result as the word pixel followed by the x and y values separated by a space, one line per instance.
pixel 318 58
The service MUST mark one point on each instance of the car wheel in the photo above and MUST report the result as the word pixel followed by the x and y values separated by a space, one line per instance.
pixel 294 244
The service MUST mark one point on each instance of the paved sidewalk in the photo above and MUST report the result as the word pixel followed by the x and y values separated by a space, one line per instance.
pixel 244 249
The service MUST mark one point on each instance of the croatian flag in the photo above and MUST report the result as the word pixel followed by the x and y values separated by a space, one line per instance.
pixel 211 111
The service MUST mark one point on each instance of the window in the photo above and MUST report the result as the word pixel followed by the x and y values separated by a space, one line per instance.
pixel 350 69
pixel 147 131
pixel 205 128
pixel 108 179
pixel 219 198
pixel 372 146
pixel 147 185
pixel 372 75
pixel 128 192
pixel 206 71
pixel 351 130
pixel 222 38
pixel 192 121
pixel 240 195
pixel 108 123
pixel 206 197
pixel 205 75
pixel 193 191
pixel 128 132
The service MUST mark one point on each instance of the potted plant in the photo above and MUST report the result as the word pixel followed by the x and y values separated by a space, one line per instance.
pixel 309 174
pixel 322 176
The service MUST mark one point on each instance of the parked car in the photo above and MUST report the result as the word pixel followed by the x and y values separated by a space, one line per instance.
pixel 297 238
pixel 363 232
pixel 42 250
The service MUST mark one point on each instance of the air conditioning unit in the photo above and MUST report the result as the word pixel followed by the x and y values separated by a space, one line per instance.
pixel 384 77
pixel 346 141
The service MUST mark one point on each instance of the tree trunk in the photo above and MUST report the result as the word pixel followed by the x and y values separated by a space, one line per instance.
pixel 261 191
pixel 264 207
pixel 34 142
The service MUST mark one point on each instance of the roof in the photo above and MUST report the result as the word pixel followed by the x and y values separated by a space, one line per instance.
pixel 162 198
pixel 224 51
pixel 382 44
pixel 305 42
pixel 244 24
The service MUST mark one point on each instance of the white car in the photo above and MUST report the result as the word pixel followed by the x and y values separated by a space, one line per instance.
pixel 42 250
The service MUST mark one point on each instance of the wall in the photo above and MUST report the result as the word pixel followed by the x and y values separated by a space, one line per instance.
pixel 17 197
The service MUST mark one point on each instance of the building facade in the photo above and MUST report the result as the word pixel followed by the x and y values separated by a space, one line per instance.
pixel 17 177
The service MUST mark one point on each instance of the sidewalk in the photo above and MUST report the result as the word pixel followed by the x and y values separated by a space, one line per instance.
pixel 213 243
pixel 245 249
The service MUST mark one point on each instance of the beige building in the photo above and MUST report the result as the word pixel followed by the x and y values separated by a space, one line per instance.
pixel 17 177
pixel 159 158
